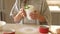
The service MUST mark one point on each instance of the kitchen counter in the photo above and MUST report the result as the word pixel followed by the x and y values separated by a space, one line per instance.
pixel 18 27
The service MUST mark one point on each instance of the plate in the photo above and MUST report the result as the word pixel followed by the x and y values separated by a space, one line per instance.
pixel 28 30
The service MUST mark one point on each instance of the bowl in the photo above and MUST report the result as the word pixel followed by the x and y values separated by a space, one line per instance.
pixel 2 23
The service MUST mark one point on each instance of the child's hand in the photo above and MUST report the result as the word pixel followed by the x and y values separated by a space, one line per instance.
pixel 37 15
pixel 21 14
pixel 34 15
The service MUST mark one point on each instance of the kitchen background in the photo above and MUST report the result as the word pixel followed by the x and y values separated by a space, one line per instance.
pixel 6 6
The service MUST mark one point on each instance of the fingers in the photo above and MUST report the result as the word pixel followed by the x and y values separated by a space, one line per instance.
pixel 34 15
pixel 22 12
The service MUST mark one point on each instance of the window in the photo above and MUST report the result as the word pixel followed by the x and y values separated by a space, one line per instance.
pixel 54 5
pixel 54 8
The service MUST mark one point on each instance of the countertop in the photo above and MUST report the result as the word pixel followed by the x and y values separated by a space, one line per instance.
pixel 18 27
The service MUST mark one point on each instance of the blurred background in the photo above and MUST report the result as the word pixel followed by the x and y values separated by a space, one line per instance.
pixel 6 6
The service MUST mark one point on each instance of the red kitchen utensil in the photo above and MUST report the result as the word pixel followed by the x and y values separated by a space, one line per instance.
pixel 9 31
pixel 43 30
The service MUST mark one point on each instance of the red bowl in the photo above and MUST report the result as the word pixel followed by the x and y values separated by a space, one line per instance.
pixel 43 29
pixel 9 33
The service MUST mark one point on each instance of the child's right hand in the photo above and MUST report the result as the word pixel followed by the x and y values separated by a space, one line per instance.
pixel 21 14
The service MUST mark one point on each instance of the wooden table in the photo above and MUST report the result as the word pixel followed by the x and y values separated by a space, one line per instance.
pixel 17 27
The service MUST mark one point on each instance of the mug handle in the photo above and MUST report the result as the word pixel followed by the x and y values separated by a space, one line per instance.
pixel 51 32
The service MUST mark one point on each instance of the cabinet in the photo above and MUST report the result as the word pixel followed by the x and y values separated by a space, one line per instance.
pixel 1 9
pixel 55 18
pixel 59 18
pixel 0 16
pixel 5 8
pixel 0 4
